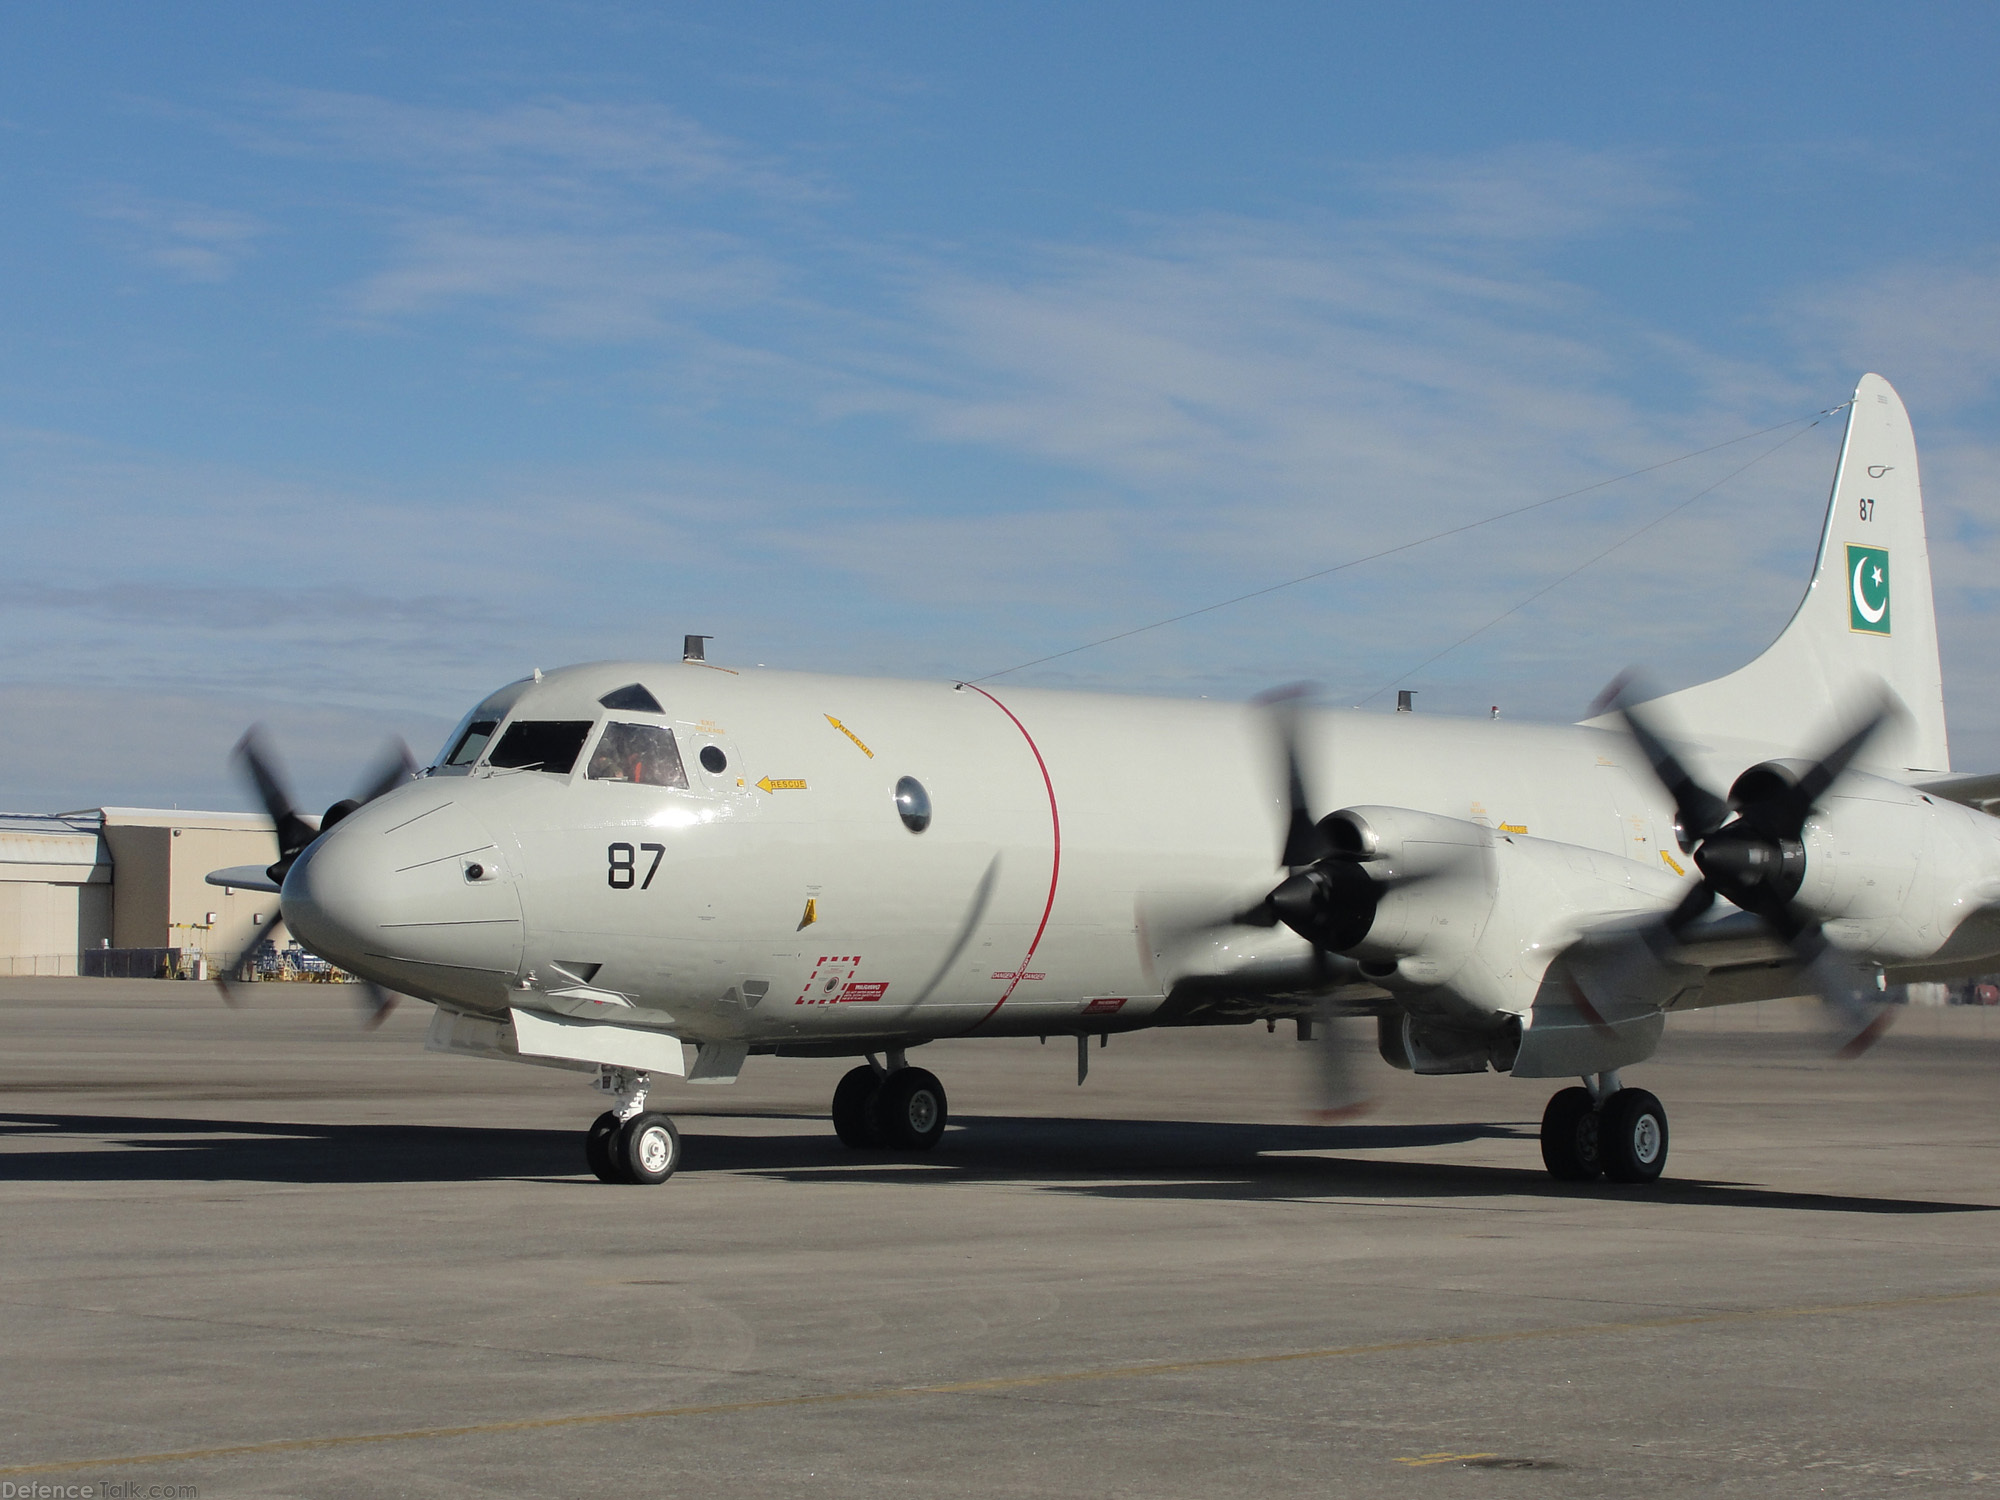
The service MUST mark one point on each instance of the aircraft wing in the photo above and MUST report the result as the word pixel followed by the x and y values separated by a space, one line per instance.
pixel 1732 959
pixel 1271 992
pixel 1980 789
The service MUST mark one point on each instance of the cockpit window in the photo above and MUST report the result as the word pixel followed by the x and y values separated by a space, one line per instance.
pixel 641 753
pixel 466 751
pixel 541 745
pixel 632 698
pixel 460 750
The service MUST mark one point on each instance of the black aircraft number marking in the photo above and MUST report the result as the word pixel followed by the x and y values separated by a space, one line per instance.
pixel 1867 509
pixel 623 872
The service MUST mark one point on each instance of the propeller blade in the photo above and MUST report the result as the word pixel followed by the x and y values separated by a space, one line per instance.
pixel 1304 843
pixel 1340 1088
pixel 376 1002
pixel 1797 804
pixel 236 991
pixel 1693 906
pixel 294 832
pixel 392 768
pixel 1857 1015
pixel 1700 811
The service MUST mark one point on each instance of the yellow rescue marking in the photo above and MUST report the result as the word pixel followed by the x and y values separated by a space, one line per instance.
pixel 1513 827
pixel 1443 1458
pixel 1009 1382
pixel 766 784
pixel 1671 863
pixel 812 914
pixel 851 735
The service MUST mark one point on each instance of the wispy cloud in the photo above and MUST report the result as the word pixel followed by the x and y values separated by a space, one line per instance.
pixel 1527 192
pixel 552 145
pixel 568 220
pixel 1936 324
pixel 608 288
pixel 192 241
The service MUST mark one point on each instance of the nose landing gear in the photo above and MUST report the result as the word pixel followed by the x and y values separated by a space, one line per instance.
pixel 897 1107
pixel 628 1142
pixel 1605 1130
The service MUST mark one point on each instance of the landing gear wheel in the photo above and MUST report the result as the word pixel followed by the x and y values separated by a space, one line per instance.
pixel 854 1108
pixel 597 1148
pixel 910 1110
pixel 647 1148
pixel 1632 1132
pixel 1571 1137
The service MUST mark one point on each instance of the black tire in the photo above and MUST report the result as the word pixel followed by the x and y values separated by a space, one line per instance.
pixel 597 1148
pixel 1570 1137
pixel 1633 1133
pixel 854 1108
pixel 910 1110
pixel 647 1149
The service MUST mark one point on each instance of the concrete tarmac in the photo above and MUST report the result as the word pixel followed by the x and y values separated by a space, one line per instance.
pixel 263 1252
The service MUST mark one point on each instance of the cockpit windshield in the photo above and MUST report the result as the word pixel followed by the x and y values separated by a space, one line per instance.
pixel 540 745
pixel 642 753
pixel 470 743
pixel 477 727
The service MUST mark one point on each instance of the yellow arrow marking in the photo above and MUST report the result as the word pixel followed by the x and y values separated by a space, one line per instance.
pixel 851 735
pixel 766 784
pixel 1671 865
pixel 812 913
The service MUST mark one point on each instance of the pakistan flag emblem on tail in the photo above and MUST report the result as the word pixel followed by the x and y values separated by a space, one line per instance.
pixel 1868 589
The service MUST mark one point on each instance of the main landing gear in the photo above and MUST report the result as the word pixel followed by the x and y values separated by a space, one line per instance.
pixel 628 1142
pixel 1604 1129
pixel 897 1106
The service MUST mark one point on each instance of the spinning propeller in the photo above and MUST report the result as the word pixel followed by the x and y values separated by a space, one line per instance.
pixel 1750 850
pixel 394 767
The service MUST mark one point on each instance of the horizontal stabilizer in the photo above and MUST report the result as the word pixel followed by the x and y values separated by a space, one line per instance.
pixel 244 878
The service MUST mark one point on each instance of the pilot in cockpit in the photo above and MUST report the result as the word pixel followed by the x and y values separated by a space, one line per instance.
pixel 641 753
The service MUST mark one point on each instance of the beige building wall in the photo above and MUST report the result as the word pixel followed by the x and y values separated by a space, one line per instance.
pixel 161 860
pixel 55 892
pixel 43 926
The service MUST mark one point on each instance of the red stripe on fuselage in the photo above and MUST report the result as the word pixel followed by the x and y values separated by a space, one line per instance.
pixel 1055 860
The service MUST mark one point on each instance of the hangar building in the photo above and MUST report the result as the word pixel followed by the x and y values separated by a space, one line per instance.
pixel 128 880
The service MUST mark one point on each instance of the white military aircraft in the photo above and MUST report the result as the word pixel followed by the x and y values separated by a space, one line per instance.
pixel 612 865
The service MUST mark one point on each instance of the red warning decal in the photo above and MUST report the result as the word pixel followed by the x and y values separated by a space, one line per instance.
pixel 828 975
pixel 833 982
pixel 1105 1006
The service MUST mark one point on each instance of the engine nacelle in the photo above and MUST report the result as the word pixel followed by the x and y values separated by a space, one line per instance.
pixel 1435 885
pixel 1892 871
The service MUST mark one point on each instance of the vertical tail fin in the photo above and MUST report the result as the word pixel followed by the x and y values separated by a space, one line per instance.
pixel 1866 616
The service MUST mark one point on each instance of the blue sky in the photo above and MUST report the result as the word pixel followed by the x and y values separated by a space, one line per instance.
pixel 358 360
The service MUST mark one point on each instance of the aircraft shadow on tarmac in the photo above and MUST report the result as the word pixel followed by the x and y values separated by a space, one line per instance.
pixel 1092 1157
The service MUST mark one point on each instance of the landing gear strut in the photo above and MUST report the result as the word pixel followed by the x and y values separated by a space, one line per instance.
pixel 898 1107
pixel 628 1142
pixel 1604 1130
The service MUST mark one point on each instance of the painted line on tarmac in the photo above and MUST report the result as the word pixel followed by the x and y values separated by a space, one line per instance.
pixel 1006 1382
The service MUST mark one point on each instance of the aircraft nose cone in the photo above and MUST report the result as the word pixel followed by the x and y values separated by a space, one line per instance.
pixel 412 891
